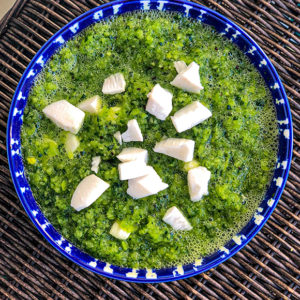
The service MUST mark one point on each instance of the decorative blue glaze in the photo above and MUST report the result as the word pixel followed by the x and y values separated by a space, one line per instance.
pixel 225 28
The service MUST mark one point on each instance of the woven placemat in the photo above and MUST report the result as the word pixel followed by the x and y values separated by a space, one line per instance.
pixel 267 268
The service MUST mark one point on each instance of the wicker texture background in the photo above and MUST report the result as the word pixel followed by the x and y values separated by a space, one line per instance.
pixel 267 268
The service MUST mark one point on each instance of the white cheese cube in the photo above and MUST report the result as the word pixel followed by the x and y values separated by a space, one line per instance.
pixel 159 102
pixel 118 137
pixel 132 169
pixel 176 219
pixel 181 149
pixel 189 79
pixel 180 66
pixel 95 163
pixel 131 153
pixel 119 233
pixel 133 132
pixel 190 116
pixel 65 115
pixel 88 191
pixel 198 179
pixel 71 144
pixel 114 84
pixel 145 186
pixel 91 105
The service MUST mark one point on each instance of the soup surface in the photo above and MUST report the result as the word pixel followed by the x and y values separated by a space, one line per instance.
pixel 238 144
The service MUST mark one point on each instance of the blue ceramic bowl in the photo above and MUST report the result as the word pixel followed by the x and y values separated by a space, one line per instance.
pixel 226 28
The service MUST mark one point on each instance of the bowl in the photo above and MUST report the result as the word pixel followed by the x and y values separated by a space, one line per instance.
pixel 257 57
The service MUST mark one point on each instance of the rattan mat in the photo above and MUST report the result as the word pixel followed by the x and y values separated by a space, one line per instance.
pixel 267 268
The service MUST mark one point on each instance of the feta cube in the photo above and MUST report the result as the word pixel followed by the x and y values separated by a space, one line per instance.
pixel 114 84
pixel 65 115
pixel 88 191
pixel 190 116
pixel 71 144
pixel 180 66
pixel 159 102
pixel 189 79
pixel 133 132
pixel 95 164
pixel 181 149
pixel 175 218
pixel 145 186
pixel 91 105
pixel 132 153
pixel 118 137
pixel 198 179
pixel 119 233
pixel 132 169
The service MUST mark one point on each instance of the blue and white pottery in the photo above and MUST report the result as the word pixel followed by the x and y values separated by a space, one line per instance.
pixel 226 28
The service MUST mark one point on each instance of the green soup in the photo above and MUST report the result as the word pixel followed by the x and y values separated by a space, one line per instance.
pixel 238 144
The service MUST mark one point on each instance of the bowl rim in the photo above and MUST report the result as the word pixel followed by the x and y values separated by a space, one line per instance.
pixel 144 279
